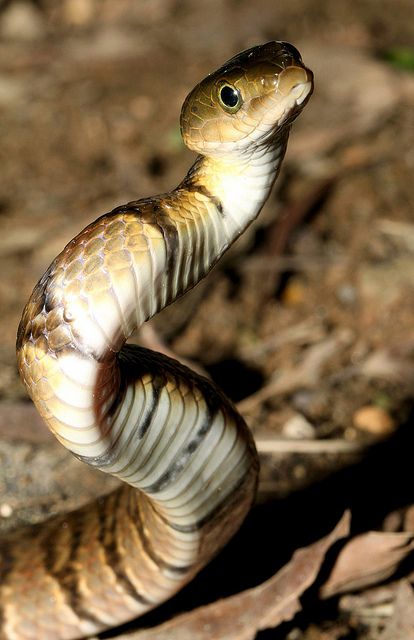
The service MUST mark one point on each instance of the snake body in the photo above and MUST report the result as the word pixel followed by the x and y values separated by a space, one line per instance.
pixel 185 455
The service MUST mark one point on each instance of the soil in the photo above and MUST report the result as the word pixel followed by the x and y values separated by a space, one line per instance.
pixel 307 322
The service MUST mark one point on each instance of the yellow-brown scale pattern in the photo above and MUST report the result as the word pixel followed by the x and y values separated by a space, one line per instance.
pixel 185 455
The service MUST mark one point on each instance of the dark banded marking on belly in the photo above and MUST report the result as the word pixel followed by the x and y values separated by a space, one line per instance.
pixel 109 511
pixel 66 574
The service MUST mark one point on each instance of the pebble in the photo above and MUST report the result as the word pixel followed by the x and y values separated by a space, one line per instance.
pixel 22 21
pixel 374 420
pixel 298 428
pixel 346 294
pixel 5 510
pixel 79 12
pixel 294 292
pixel 299 471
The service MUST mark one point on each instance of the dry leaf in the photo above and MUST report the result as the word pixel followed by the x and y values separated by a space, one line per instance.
pixel 241 616
pixel 366 560
pixel 401 624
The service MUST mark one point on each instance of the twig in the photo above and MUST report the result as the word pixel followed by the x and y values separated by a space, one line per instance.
pixel 402 230
pixel 285 445
pixel 306 331
pixel 306 375
pixel 278 234
pixel 279 264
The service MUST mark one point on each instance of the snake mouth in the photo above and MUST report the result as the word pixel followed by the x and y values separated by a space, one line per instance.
pixel 296 82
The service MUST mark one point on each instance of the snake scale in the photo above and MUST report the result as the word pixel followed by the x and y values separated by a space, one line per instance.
pixel 186 457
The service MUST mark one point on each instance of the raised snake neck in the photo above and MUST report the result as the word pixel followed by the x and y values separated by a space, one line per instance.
pixel 184 453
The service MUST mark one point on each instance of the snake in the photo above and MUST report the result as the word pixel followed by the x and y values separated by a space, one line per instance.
pixel 187 460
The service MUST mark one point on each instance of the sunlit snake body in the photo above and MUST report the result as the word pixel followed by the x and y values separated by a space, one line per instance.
pixel 132 413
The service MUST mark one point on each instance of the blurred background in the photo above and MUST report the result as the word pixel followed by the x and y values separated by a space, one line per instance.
pixel 308 321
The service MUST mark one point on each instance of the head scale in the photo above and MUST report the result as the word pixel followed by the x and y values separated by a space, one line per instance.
pixel 247 101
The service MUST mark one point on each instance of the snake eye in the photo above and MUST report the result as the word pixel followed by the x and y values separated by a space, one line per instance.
pixel 230 98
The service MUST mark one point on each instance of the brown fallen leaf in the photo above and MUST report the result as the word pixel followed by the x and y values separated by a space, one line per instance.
pixel 366 560
pixel 241 616
pixel 378 597
pixel 401 624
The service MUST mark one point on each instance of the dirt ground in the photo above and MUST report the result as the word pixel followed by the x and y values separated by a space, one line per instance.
pixel 307 323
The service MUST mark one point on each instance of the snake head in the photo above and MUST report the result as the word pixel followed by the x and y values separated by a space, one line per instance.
pixel 246 101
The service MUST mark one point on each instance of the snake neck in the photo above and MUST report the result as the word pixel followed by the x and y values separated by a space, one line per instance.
pixel 117 273
pixel 237 186
pixel 197 222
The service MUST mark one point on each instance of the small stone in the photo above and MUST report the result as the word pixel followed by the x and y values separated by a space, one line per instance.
pixel 346 293
pixel 298 428
pixel 350 434
pixel 294 292
pixel 374 420
pixel 5 510
pixel 79 12
pixel 22 21
pixel 299 471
